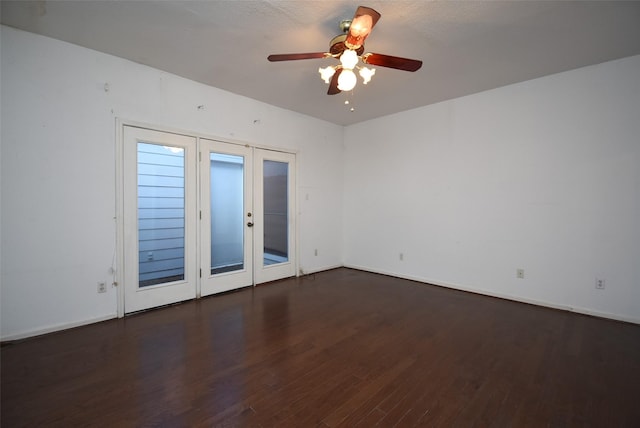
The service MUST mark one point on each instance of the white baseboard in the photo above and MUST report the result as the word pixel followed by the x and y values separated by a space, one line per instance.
pixel 316 270
pixel 584 311
pixel 56 327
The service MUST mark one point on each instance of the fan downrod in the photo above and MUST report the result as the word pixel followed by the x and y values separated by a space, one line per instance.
pixel 345 25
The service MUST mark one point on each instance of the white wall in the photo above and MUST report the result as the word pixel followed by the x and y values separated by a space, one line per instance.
pixel 542 175
pixel 59 171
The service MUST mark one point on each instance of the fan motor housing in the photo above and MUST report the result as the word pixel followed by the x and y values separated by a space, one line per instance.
pixel 337 46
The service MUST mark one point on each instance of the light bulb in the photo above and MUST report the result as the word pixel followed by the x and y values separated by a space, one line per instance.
pixel 366 74
pixel 358 31
pixel 349 59
pixel 361 26
pixel 326 73
pixel 347 80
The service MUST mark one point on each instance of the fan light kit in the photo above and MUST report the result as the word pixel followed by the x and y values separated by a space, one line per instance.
pixel 348 48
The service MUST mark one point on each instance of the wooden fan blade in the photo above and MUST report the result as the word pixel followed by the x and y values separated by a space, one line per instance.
pixel 292 57
pixel 396 62
pixel 333 86
pixel 363 22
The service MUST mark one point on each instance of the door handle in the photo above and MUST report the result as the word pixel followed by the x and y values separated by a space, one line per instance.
pixel 250 224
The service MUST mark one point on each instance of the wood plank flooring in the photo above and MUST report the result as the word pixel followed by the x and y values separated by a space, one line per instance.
pixel 342 348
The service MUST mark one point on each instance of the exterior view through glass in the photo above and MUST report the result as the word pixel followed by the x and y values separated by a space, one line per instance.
pixel 161 205
pixel 227 212
pixel 276 204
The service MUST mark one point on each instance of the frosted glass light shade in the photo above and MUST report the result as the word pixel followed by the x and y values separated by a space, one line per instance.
pixel 347 80
pixel 326 73
pixel 349 59
pixel 366 74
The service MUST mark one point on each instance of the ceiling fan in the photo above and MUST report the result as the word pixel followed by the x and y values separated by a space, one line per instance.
pixel 349 48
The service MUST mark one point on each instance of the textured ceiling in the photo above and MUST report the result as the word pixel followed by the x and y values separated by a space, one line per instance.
pixel 466 46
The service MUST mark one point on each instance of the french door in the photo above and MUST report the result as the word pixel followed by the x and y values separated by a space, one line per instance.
pixel 248 212
pixel 202 217
pixel 160 236
pixel 226 192
pixel 274 234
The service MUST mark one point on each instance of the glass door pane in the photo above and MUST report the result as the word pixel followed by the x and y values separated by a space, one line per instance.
pixel 276 206
pixel 160 214
pixel 227 208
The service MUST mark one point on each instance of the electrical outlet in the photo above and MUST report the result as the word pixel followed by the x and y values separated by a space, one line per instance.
pixel 600 283
pixel 401 256
pixel 520 273
pixel 315 252
pixel 102 287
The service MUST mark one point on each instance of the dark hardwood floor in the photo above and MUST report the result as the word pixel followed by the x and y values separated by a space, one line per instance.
pixel 341 348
